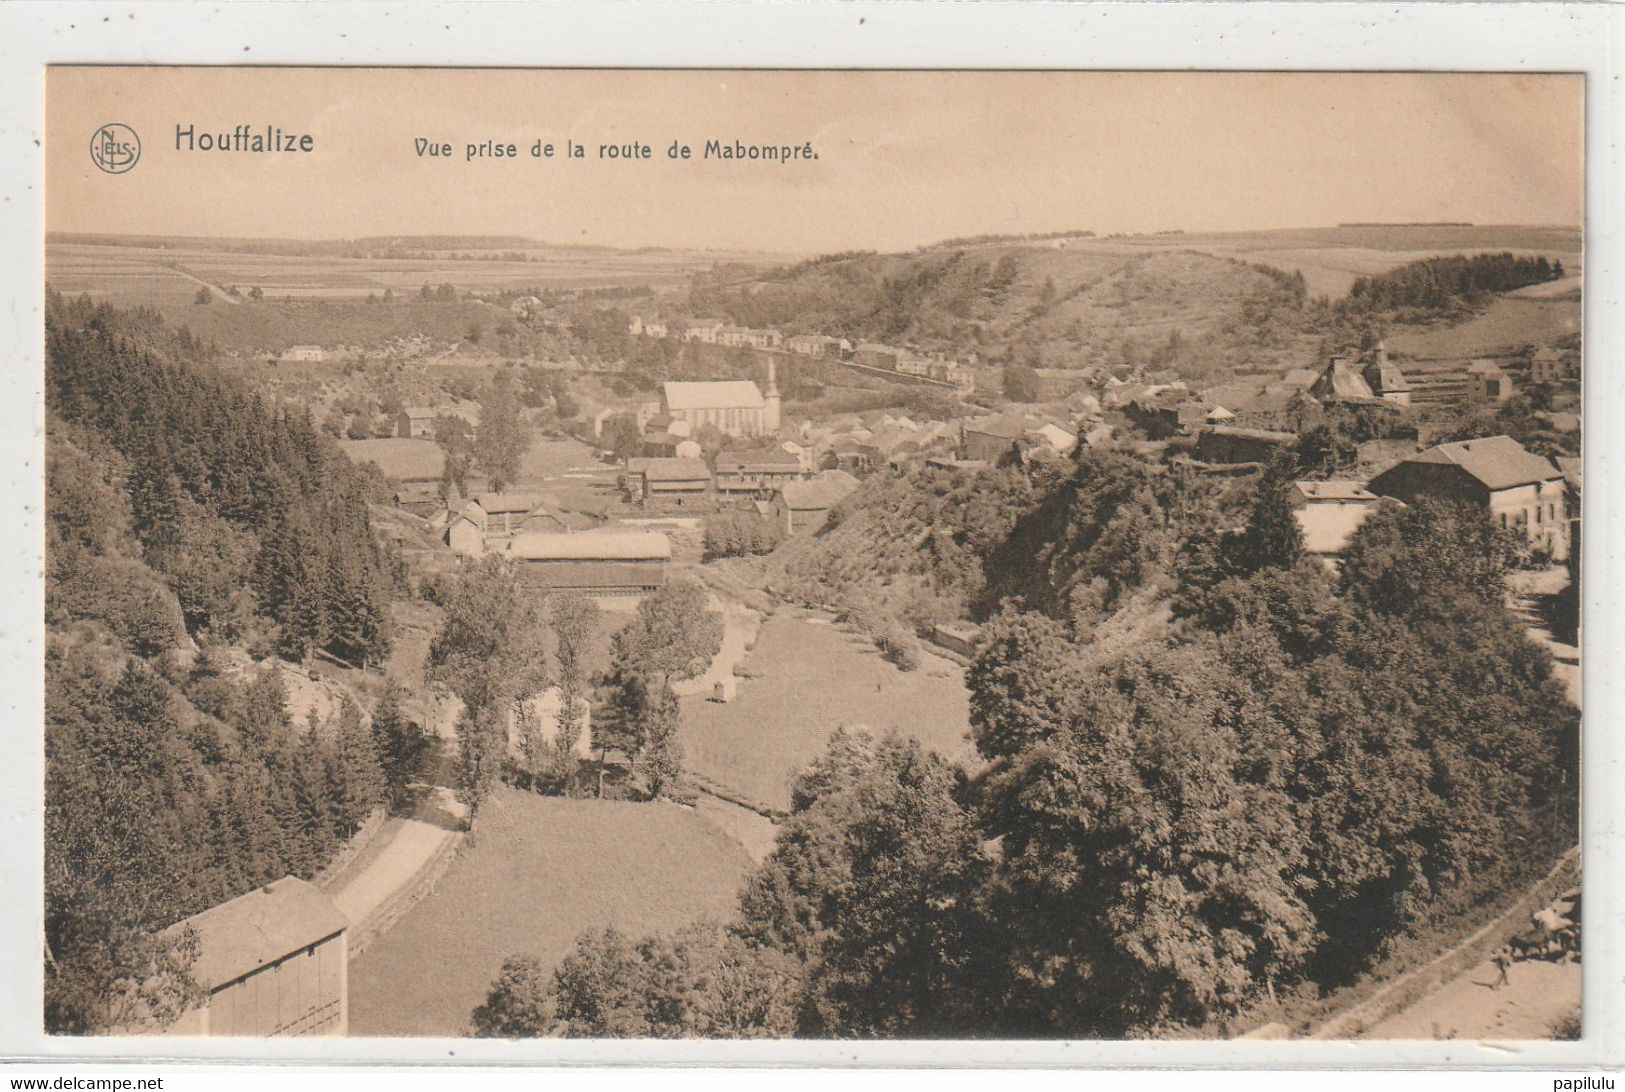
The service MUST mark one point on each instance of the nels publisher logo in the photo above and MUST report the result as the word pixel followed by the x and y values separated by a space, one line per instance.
pixel 115 148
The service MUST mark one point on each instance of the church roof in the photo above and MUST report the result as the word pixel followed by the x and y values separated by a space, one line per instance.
pixel 714 394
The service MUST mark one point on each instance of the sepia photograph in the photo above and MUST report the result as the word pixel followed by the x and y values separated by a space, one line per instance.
pixel 539 554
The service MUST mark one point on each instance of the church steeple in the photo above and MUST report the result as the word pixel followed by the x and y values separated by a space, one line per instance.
pixel 771 397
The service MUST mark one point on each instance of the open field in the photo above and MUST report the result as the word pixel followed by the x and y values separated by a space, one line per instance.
pixel 540 872
pixel 1507 325
pixel 813 678
pixel 1331 258
pixel 118 272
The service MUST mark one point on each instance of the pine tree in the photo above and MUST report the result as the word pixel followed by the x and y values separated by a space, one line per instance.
pixel 362 779
pixel 398 742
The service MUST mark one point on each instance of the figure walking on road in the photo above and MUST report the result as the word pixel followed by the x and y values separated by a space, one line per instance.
pixel 1503 963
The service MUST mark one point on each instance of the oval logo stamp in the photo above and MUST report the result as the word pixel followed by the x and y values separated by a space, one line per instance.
pixel 115 148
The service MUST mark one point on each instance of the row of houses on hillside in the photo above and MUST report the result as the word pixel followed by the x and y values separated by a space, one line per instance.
pixel 935 366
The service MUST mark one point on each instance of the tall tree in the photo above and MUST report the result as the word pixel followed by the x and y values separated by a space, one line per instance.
pixel 504 435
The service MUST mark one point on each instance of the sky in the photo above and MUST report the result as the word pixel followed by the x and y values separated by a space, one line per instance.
pixel 903 158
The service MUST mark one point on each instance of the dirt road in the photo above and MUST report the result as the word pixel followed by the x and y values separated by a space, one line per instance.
pixel 1537 997
pixel 414 844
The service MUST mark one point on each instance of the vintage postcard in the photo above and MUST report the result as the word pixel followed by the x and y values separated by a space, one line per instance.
pixel 827 554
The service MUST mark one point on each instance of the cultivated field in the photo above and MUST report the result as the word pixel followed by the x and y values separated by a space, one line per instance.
pixel 143 274
pixel 813 678
pixel 540 872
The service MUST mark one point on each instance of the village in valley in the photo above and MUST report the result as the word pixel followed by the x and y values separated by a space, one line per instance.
pixel 528 617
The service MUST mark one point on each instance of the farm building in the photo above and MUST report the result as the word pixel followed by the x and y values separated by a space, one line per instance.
pixel 274 963
pixel 676 480
pixel 756 471
pixel 1487 382
pixel 509 513
pixel 1522 491
pixel 1328 514
pixel 419 498
pixel 737 407
pixel 418 422
pixel 593 562
pixel 1229 444
pixel 399 460
pixel 804 505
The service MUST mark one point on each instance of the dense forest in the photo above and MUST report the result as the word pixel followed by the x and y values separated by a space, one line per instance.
pixel 1454 282
pixel 1249 802
pixel 187 524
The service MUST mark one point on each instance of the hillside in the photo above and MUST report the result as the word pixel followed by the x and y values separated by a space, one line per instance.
pixel 1046 305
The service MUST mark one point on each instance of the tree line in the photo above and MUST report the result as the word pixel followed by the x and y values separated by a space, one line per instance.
pixel 1445 282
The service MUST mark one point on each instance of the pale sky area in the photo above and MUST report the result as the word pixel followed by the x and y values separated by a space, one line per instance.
pixel 904 158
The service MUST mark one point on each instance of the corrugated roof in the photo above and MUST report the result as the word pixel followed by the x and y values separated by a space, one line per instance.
pixel 1499 462
pixel 590 546
pixel 716 394
pixel 399 458
pixel 259 928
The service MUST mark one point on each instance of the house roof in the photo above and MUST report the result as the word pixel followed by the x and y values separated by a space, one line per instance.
pixel 1327 528
pixel 1571 466
pixel 1339 380
pixel 259 928
pixel 828 489
pixel 716 394
pixel 1484 367
pixel 1389 379
pixel 676 470
pixel 1498 462
pixel 590 546
pixel 1334 491
pixel 399 458
pixel 1302 378
pixel 1548 354
pixel 777 459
